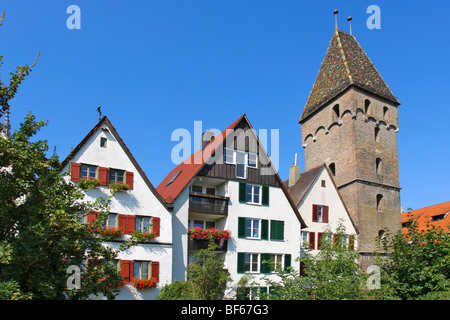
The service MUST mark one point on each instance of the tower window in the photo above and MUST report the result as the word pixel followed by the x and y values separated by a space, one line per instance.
pixel 379 166
pixel 386 113
pixel 367 108
pixel 336 112
pixel 380 202
pixel 381 234
pixel 377 134
pixel 332 168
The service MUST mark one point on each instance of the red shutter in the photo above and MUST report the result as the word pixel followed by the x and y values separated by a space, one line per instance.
pixel 131 222
pixel 155 270
pixel 123 222
pixel 351 242
pixel 126 268
pixel 91 216
pixel 312 240
pixel 319 240
pixel 314 213
pixel 75 174
pixel 325 214
pixel 156 226
pixel 103 176
pixel 335 238
pixel 129 179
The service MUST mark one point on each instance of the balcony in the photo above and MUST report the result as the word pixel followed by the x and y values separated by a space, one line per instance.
pixel 208 204
pixel 198 244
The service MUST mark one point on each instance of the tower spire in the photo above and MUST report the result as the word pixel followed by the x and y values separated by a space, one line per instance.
pixel 336 11
pixel 7 125
pixel 349 19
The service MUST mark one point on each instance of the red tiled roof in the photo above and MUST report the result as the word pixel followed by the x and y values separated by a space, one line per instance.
pixel 437 215
pixel 191 166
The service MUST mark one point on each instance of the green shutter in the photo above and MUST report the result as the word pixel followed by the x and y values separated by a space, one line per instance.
pixel 241 227
pixel 241 262
pixel 242 192
pixel 265 196
pixel 287 261
pixel 265 267
pixel 264 229
pixel 276 230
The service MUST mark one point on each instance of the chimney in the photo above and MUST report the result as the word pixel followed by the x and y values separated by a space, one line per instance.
pixel 207 136
pixel 294 173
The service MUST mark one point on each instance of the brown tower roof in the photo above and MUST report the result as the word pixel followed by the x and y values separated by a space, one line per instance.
pixel 345 64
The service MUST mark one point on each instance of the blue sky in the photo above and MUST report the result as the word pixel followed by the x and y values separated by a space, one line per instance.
pixel 155 66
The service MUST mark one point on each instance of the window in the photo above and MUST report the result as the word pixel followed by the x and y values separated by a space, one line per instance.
pixel 88 172
pixel 252 228
pixel 379 166
pixel 323 183
pixel 276 230
pixel 103 142
pixel 367 107
pixel 380 202
pixel 381 234
pixel 377 134
pixel 241 165
pixel 111 220
pixel 203 189
pixel 198 189
pixel 251 262
pixel 229 156
pixel 275 262
pixel 116 176
pixel 203 224
pixel 304 238
pixel 253 160
pixel 320 213
pixel 141 269
pixel 174 177
pixel 336 112
pixel 142 224
pixel 253 194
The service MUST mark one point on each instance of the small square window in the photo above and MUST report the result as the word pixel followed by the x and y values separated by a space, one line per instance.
pixel 103 142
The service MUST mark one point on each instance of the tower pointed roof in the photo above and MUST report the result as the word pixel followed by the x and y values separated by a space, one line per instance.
pixel 345 65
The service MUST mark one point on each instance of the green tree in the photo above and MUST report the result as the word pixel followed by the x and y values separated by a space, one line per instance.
pixel 41 233
pixel 206 279
pixel 418 263
pixel 332 274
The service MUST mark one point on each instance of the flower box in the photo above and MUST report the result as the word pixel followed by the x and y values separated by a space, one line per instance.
pixel 142 284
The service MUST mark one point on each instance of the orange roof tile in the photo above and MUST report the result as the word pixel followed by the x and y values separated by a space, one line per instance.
pixel 436 215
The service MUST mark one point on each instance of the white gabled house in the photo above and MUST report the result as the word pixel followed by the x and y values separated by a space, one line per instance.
pixel 231 185
pixel 103 155
pixel 320 205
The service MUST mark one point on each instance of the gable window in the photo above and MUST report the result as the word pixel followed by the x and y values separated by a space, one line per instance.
pixel 88 172
pixel 253 194
pixel 241 165
pixel 252 160
pixel 252 229
pixel 320 213
pixel 229 156
pixel 103 142
pixel 116 176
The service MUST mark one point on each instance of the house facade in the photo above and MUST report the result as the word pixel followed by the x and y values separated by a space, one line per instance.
pixel 135 206
pixel 240 193
pixel 321 207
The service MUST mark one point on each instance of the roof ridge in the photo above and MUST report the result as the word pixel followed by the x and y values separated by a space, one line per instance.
pixel 344 58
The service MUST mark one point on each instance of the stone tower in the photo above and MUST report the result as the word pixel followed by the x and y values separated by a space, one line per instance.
pixel 350 123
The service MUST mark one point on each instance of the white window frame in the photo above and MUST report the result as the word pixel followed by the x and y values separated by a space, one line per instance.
pixel 253 187
pixel 116 220
pixel 255 166
pixel 252 228
pixel 319 213
pixel 233 156
pixel 278 256
pixel 245 164
pixel 251 262
pixel 141 226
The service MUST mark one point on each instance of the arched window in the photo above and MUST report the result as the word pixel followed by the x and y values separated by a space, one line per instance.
pixel 386 115
pixel 332 168
pixel 381 234
pixel 379 166
pixel 380 202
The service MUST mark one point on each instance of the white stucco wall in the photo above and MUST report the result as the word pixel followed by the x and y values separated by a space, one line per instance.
pixel 139 201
